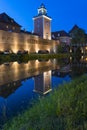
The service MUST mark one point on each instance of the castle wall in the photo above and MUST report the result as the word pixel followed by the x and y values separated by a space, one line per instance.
pixel 20 41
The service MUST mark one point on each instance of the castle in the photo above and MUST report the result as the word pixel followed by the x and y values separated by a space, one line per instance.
pixel 14 40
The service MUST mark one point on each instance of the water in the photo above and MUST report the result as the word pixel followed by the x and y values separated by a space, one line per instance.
pixel 22 83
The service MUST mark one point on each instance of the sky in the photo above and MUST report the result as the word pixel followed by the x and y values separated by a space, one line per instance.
pixel 64 13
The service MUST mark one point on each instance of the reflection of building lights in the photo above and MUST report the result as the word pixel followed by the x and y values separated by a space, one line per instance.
pixel 82 51
pixel 86 47
pixel 70 50
pixel 15 67
pixel 82 57
pixel 86 58
pixel 70 58
pixel 36 63
pixel 43 83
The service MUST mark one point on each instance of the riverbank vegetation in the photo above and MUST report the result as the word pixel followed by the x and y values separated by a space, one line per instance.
pixel 64 109
pixel 27 57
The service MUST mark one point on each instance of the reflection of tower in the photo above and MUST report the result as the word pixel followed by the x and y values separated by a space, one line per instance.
pixel 42 23
pixel 43 83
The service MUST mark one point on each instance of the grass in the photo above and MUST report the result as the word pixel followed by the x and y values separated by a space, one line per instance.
pixel 64 109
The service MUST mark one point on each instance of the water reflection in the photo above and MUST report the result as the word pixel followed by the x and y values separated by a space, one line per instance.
pixel 6 90
pixel 63 71
pixel 43 83
pixel 20 83
pixel 78 66
pixel 11 74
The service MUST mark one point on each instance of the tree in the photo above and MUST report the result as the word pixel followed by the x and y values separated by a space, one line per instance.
pixel 78 36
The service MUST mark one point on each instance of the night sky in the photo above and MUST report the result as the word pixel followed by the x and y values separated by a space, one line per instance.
pixel 64 13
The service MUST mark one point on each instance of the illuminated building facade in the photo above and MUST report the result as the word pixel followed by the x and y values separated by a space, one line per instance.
pixel 14 40
pixel 42 23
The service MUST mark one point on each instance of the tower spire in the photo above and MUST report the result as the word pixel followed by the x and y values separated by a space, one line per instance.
pixel 42 10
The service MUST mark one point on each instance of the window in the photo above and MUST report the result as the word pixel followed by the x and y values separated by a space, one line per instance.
pixel 38 21
pixel 58 34
pixel 47 23
pixel 53 36
pixel 11 20
pixel 7 26
pixel 38 27
pixel 13 28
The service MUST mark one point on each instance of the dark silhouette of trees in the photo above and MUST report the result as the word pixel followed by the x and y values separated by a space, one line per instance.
pixel 78 36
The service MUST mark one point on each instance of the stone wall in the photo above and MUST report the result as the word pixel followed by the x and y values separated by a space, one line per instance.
pixel 21 41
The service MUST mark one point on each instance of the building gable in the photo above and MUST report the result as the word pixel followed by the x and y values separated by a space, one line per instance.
pixel 8 20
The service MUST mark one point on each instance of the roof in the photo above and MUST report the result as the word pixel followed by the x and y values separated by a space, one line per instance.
pixel 75 27
pixel 46 16
pixel 27 32
pixel 42 6
pixel 6 19
pixel 61 33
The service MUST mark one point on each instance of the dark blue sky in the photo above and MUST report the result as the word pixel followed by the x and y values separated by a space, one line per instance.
pixel 64 13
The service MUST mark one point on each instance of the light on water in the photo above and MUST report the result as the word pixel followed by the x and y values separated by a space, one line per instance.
pixel 21 83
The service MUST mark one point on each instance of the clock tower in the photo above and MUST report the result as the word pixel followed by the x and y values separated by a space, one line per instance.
pixel 42 23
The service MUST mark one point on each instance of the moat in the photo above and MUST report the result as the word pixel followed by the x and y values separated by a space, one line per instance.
pixel 23 83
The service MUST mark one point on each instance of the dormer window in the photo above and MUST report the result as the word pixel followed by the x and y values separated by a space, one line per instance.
pixel 11 20
pixel 13 28
pixel 53 36
pixel 7 26
pixel 58 35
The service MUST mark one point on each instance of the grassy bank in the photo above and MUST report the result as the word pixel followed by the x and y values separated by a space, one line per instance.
pixel 63 109
pixel 27 57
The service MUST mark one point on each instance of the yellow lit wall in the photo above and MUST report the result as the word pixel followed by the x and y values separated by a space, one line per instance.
pixel 19 41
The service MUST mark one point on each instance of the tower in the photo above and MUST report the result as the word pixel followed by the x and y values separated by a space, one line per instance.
pixel 43 83
pixel 42 23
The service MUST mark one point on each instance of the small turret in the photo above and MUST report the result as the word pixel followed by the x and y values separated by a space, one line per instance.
pixel 42 10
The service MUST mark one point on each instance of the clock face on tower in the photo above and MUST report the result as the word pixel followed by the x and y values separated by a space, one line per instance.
pixel 42 11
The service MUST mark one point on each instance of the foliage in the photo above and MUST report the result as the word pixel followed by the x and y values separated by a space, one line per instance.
pixel 63 48
pixel 63 109
pixel 27 57
pixel 60 49
pixel 78 36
